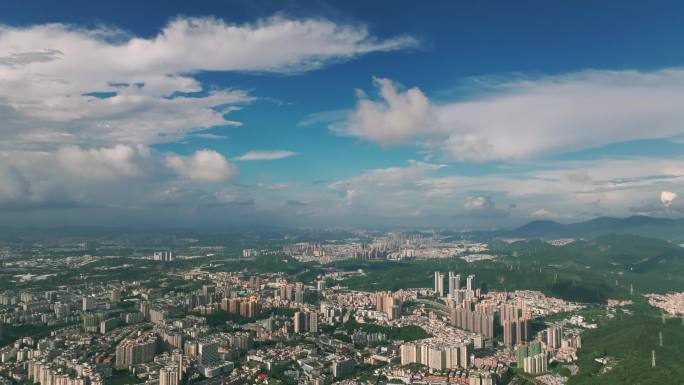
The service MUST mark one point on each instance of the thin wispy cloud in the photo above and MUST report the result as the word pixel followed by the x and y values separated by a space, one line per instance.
pixel 267 155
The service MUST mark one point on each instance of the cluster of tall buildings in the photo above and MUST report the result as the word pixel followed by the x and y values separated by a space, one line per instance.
pixel 473 321
pixel 133 351
pixel 531 358
pixel 305 321
pixel 247 253
pixel 437 355
pixel 388 303
pixel 292 292
pixel 453 286
pixel 164 256
pixel 439 283
pixel 479 317
pixel 246 307
pixel 45 373
pixel 515 322
pixel 172 373
pixel 372 252
pixel 552 337
pixel 556 342
pixel 329 312
pixel 154 313
pixel 357 250
pixel 8 299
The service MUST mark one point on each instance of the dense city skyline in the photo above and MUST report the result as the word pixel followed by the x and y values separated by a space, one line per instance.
pixel 451 114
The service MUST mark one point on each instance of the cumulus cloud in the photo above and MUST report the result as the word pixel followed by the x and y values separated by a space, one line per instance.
pixel 18 192
pixel 483 207
pixel 527 118
pixel 266 155
pixel 396 118
pixel 666 205
pixel 667 197
pixel 100 163
pixel 203 165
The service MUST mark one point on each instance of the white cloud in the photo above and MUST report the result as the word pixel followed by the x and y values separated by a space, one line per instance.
pixel 478 203
pixel 61 84
pixel 483 207
pixel 266 155
pixel 544 213
pixel 398 117
pixel 210 136
pixel 528 118
pixel 81 107
pixel 19 193
pixel 203 165
pixel 667 197
pixel 567 190
pixel 96 58
pixel 66 178
pixel 99 163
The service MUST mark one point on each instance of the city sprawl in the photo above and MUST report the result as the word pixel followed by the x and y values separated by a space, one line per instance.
pixel 307 312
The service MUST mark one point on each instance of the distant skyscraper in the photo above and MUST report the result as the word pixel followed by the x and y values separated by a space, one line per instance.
pixel 313 322
pixel 299 292
pixel 470 282
pixel 388 304
pixel 299 321
pixel 454 283
pixel 554 336
pixel 515 331
pixel 439 283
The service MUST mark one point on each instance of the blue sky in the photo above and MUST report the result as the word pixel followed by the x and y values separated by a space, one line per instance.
pixel 450 114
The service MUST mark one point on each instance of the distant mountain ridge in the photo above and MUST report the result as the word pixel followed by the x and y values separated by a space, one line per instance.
pixel 663 228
